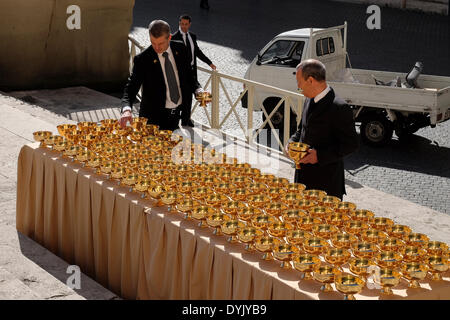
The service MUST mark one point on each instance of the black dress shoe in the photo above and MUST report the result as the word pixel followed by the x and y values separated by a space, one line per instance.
pixel 187 123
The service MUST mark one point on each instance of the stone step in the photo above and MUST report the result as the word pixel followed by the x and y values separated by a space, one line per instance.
pixel 12 288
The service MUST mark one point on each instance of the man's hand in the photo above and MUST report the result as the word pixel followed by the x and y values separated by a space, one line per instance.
pixel 124 118
pixel 311 157
pixel 213 66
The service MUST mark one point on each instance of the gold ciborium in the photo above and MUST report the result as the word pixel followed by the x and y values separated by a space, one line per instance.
pixel 239 194
pixel 388 259
pixel 262 221
pixel 373 236
pixel 297 151
pixel 314 194
pixel 391 244
pixel 200 213
pixel 345 208
pixel 337 219
pixel 279 229
pixel 233 207
pixel 61 145
pixel 278 182
pixel 315 245
pixel 247 213
pixel 201 193
pixel 251 172
pixel 343 240
pixel 360 266
pixel 169 198
pixel 257 188
pixel 436 248
pixel 247 235
pixel 40 136
pixel 416 239
pixel 387 278
pixel 141 186
pixel 258 200
pixel 297 237
pixel 186 187
pixel 293 215
pixel 381 223
pixel 306 262
pixel 355 227
pixel 413 254
pixel 364 249
pixel 230 228
pixel 320 212
pixel 216 200
pixel 304 204
pixel 223 188
pixel 117 172
pixel 241 181
pixel 71 151
pixel 325 274
pixel 290 198
pixel 264 178
pixel 225 176
pixel 275 193
pixel 307 223
pixel 185 206
pixel 155 191
pixel 129 180
pixel 63 129
pixel 398 231
pixel 349 285
pixel 285 253
pixel 362 215
pixel 295 187
pixel 203 97
pixel 86 126
pixel 437 265
pixel 265 244
pixel 94 161
pixel 325 231
pixel 329 201
pixel 215 221
pixel 337 256
pixel 414 272
pixel 275 209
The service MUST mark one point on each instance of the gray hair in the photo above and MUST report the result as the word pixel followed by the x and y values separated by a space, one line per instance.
pixel 158 28
pixel 312 68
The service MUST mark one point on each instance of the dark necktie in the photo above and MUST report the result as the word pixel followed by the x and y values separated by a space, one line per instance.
pixel 305 113
pixel 188 47
pixel 171 80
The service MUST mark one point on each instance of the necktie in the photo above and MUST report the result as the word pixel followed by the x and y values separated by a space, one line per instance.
pixel 171 80
pixel 188 47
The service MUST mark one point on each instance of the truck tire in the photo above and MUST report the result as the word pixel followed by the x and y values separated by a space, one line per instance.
pixel 277 122
pixel 376 130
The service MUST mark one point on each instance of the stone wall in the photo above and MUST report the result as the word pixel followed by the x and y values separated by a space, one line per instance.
pixel 37 49
pixel 428 6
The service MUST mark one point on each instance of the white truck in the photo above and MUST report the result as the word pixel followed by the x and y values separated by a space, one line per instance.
pixel 382 102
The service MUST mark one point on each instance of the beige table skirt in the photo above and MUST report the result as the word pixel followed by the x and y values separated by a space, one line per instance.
pixel 140 251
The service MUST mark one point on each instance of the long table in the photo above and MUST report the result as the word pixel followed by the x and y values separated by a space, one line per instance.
pixel 143 251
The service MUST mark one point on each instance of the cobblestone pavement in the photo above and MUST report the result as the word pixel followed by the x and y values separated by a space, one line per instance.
pixel 231 33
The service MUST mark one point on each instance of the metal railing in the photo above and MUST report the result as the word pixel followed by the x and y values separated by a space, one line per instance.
pixel 215 83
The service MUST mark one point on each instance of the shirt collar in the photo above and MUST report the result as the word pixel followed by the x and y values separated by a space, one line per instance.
pixel 169 51
pixel 322 94
pixel 183 33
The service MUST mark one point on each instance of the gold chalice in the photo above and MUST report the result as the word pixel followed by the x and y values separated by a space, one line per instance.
pixel 306 262
pixel 201 193
pixel 233 207
pixel 117 172
pixel 285 252
pixel 297 151
pixel 40 136
pixel 240 168
pixel 325 231
pixel 325 274
pixel 337 219
pixel 314 194
pixel 290 198
pixel 278 182
pixel 155 191
pixel 265 244
pixel 215 221
pixel 142 186
pixel 86 126
pixel 139 122
pixel 247 235
pixel 293 215
pixel 362 215
pixel 148 141
pixel 82 156
pixel 94 161
pixel 337 257
pixel 275 193
pixel 209 182
pixel 297 237
pixel 355 227
pixel 165 134
pixel 345 208
pixel 223 188
pixel 343 240
pixel 388 259
pixel 231 228
pixel 185 206
pixel 413 254
pixel 437 265
pixel 204 98
pixel 109 123
pixel 257 188
pixel 169 198
pixel 258 200
pixel 275 208
pixel 315 245
pixel 360 266
pixel 279 229
pixel 247 213
pixel 241 181
pixel 416 239
pixel 72 150
pixel 398 231
pixel 329 201
pixel 61 145
pixel 364 249
pixel 239 194
pixel 172 182
pixel 295 187
pixel 414 272
pixel 129 180
pixel 436 248
pixel 304 204
pixel 264 178
pixel 387 278
pixel 262 221
pixel 381 223
pixel 349 285
pixel 195 176
pixel 320 212
pixel 63 129
pixel 216 200
pixel 186 187
pixel 307 223
pixel 152 129
pixel 147 168
pixel 391 244
pixel 225 176
pixel 251 172
pixel 200 213
pixel 373 236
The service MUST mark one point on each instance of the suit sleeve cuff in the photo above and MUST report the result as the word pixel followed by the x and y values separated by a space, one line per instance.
pixel 126 108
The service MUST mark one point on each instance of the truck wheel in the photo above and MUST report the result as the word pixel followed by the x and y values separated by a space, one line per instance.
pixel 277 122
pixel 376 130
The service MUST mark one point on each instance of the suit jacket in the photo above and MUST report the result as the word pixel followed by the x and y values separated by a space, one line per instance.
pixel 197 52
pixel 147 72
pixel 330 129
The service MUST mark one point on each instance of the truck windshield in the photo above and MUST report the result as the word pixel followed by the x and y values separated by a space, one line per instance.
pixel 284 52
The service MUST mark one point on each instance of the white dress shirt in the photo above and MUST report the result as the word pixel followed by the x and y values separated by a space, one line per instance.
pixel 191 42
pixel 322 94
pixel 169 103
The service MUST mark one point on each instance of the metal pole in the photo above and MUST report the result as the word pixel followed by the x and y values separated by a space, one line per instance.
pixel 250 101
pixel 215 100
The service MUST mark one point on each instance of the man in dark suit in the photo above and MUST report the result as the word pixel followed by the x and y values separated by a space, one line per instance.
pixel 165 73
pixel 327 126
pixel 194 52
